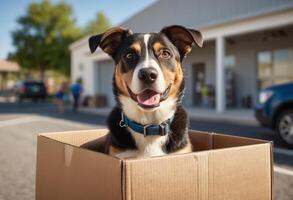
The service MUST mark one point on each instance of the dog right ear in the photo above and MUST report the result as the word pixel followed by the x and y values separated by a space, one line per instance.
pixel 183 38
pixel 109 41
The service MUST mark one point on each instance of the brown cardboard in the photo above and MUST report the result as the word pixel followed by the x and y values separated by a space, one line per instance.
pixel 222 168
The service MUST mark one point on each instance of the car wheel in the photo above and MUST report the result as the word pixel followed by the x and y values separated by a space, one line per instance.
pixel 284 126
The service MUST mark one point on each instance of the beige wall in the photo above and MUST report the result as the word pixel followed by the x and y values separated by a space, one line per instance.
pixel 80 56
pixel 245 49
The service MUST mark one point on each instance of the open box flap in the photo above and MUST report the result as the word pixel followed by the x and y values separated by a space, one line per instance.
pixel 95 139
pixel 205 140
pixel 76 138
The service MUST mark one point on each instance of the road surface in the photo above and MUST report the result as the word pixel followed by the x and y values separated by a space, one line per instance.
pixel 20 124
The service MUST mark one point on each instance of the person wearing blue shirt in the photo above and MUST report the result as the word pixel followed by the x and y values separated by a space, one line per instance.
pixel 76 90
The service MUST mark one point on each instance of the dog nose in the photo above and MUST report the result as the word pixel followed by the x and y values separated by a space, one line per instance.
pixel 148 75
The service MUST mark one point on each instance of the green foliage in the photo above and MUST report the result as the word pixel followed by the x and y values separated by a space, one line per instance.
pixel 43 36
pixel 98 25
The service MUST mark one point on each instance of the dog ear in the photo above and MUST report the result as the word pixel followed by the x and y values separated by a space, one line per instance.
pixel 109 41
pixel 183 38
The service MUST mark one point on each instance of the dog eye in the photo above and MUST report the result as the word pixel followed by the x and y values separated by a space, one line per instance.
pixel 166 54
pixel 129 55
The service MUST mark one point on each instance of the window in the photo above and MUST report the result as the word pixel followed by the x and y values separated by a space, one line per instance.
pixel 283 66
pixel 229 61
pixel 265 72
pixel 275 67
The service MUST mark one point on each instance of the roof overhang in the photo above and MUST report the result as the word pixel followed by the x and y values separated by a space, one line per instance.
pixel 241 26
pixel 250 24
pixel 81 42
pixel 9 66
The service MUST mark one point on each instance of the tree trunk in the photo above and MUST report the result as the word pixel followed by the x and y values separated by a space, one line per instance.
pixel 42 73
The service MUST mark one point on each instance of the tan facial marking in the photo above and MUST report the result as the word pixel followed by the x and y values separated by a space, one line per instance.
pixel 187 49
pixel 122 79
pixel 157 46
pixel 175 78
pixel 136 47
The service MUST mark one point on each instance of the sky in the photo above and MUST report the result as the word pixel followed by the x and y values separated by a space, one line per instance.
pixel 84 10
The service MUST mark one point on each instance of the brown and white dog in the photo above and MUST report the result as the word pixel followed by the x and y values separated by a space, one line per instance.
pixel 148 85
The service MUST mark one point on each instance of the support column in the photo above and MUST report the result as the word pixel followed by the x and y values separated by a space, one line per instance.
pixel 220 75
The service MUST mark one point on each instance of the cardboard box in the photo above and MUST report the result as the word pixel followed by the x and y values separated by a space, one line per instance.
pixel 70 166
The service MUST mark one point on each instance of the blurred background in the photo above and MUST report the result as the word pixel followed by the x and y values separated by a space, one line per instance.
pixel 240 82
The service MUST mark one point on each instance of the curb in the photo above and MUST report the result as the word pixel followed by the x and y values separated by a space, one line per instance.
pixel 223 119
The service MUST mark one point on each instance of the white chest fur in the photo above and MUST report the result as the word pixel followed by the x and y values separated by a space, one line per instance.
pixel 146 146
pixel 150 145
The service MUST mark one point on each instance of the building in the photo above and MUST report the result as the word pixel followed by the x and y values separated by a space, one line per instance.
pixel 7 68
pixel 248 45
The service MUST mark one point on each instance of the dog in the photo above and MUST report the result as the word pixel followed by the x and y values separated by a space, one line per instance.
pixel 148 85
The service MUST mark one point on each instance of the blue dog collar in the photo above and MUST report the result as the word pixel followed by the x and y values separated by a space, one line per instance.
pixel 149 129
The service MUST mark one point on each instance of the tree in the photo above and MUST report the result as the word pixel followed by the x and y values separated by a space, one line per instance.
pixel 98 25
pixel 43 36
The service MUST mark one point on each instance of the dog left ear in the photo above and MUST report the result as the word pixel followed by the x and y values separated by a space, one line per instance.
pixel 183 38
pixel 109 41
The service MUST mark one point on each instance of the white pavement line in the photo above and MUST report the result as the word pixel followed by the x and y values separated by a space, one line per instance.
pixel 283 171
pixel 20 120
pixel 28 119
pixel 287 152
pixel 68 122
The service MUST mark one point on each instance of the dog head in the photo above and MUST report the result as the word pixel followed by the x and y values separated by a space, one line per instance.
pixel 148 66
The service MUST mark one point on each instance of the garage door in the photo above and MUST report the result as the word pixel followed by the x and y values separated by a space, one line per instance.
pixel 105 70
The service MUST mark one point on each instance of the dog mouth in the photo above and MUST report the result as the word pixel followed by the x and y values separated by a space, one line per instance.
pixel 149 98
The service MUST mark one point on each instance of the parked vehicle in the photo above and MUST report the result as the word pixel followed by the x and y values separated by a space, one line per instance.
pixel 275 110
pixel 34 90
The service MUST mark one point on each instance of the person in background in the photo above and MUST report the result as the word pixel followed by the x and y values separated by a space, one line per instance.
pixel 59 97
pixel 76 90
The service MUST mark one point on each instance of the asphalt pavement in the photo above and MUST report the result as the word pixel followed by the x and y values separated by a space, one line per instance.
pixel 20 124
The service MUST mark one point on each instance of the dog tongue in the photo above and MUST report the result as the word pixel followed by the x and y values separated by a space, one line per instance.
pixel 148 98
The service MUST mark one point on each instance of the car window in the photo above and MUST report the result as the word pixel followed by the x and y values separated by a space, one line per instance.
pixel 34 84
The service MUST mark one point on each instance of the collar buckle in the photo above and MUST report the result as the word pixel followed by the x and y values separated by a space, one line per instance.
pixel 145 129
pixel 122 121
pixel 164 129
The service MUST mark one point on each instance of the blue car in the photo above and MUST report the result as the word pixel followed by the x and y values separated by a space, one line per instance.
pixel 275 110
